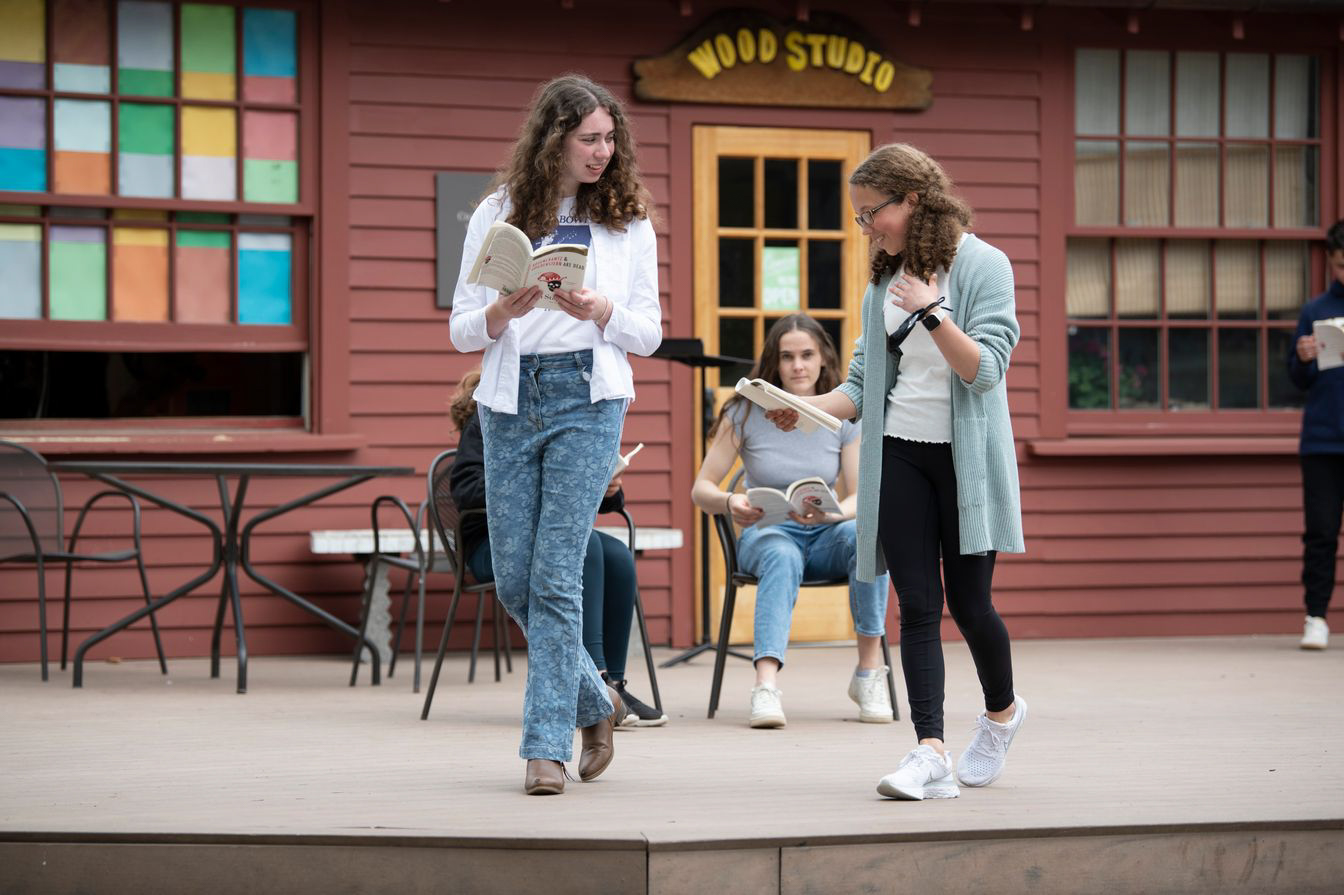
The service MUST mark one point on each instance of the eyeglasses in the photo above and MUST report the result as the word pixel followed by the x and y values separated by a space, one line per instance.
pixel 866 219
pixel 895 339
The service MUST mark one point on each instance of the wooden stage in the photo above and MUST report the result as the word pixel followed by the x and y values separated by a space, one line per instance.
pixel 1179 765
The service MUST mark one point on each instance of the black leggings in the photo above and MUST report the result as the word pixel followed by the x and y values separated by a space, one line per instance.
pixel 916 517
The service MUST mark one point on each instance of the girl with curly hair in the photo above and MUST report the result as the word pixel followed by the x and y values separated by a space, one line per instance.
pixel 938 470
pixel 552 398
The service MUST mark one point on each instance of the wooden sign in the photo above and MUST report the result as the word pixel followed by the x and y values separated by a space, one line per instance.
pixel 748 58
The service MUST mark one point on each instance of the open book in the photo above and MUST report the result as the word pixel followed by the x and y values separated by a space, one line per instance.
pixel 771 397
pixel 811 491
pixel 507 262
pixel 623 462
pixel 1329 335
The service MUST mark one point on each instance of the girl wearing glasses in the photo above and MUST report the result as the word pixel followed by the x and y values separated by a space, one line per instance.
pixel 937 464
pixel 552 397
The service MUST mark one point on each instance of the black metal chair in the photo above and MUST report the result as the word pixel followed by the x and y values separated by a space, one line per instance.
pixel 639 612
pixel 438 506
pixel 32 526
pixel 734 578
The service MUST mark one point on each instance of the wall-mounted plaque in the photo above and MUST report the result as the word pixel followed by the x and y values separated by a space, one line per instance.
pixel 456 194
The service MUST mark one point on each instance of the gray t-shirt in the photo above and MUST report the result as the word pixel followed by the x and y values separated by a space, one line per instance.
pixel 775 459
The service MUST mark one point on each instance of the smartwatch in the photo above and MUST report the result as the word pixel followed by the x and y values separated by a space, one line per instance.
pixel 932 320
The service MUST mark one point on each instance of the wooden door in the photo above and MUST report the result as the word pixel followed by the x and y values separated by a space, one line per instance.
pixel 774 234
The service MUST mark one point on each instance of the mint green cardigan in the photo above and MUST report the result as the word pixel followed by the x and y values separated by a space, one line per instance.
pixel 980 293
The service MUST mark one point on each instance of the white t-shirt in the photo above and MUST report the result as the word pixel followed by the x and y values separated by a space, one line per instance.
pixel 554 332
pixel 919 405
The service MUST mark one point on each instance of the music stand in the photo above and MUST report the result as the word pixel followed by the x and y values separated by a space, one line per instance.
pixel 692 353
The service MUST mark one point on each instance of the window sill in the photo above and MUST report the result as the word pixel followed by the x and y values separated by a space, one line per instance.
pixel 185 441
pixel 1178 446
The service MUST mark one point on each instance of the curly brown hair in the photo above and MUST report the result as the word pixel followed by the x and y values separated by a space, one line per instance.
pixel 939 217
pixel 532 174
pixel 767 366
pixel 463 406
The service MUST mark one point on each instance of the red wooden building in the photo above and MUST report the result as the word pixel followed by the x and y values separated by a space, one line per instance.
pixel 218 236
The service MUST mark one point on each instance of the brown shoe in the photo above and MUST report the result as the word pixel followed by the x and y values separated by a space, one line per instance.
pixel 598 748
pixel 544 777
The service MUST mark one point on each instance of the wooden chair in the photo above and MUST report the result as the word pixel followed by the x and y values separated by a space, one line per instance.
pixel 735 578
pixel 32 526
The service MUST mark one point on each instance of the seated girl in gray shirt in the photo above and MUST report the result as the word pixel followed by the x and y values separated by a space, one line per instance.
pixel 798 356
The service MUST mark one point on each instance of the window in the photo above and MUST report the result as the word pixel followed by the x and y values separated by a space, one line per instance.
pixel 1196 212
pixel 154 199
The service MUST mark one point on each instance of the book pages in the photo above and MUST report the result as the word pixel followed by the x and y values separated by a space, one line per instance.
pixel 770 397
pixel 1329 335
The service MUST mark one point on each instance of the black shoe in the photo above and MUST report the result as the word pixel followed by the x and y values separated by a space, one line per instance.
pixel 637 714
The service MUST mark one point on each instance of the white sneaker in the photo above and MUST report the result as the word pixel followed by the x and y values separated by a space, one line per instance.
pixel 982 761
pixel 870 692
pixel 923 774
pixel 766 709
pixel 1315 633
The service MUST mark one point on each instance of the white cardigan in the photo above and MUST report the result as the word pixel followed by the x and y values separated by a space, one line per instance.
pixel 627 273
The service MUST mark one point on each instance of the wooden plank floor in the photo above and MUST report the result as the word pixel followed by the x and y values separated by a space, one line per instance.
pixel 1122 734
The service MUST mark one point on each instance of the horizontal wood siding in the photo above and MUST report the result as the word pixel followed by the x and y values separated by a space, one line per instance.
pixel 1117 546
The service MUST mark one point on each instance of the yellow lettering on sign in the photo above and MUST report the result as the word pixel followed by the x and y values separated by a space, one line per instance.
pixel 886 72
pixel 746 46
pixel 767 45
pixel 854 58
pixel 793 44
pixel 818 43
pixel 835 50
pixel 727 52
pixel 704 60
pixel 867 75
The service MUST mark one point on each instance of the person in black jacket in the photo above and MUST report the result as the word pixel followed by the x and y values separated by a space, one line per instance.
pixel 608 567
pixel 1321 447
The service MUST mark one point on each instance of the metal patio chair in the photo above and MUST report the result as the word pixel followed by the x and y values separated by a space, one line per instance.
pixel 32 526
pixel 441 511
pixel 734 578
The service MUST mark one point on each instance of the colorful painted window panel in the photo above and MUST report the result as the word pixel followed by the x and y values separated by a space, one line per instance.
pixel 21 260
pixel 23 144
pixel 83 138
pixel 270 157
pixel 79 46
pixel 209 67
pixel 139 274
pixel 78 273
pixel 146 135
pixel 144 48
pixel 209 153
pixel 270 60
pixel 23 44
pixel 264 293
pixel 201 276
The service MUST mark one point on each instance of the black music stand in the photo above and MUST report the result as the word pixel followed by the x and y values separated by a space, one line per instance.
pixel 692 353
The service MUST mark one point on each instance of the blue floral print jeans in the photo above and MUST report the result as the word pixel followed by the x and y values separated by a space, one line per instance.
pixel 546 468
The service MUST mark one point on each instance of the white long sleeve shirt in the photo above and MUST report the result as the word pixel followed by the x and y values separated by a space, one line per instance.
pixel 626 265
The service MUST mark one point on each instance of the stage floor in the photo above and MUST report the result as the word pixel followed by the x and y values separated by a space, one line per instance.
pixel 1125 738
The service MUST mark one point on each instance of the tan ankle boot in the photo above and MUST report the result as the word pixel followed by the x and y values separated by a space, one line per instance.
pixel 598 745
pixel 544 777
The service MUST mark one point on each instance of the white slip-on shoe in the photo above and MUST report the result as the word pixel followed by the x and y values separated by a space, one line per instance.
pixel 923 774
pixel 766 708
pixel 871 694
pixel 982 761
pixel 1315 633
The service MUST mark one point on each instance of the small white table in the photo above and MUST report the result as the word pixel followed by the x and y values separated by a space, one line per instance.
pixel 359 542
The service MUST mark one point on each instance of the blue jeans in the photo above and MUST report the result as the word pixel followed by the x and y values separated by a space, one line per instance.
pixel 546 468
pixel 781 556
